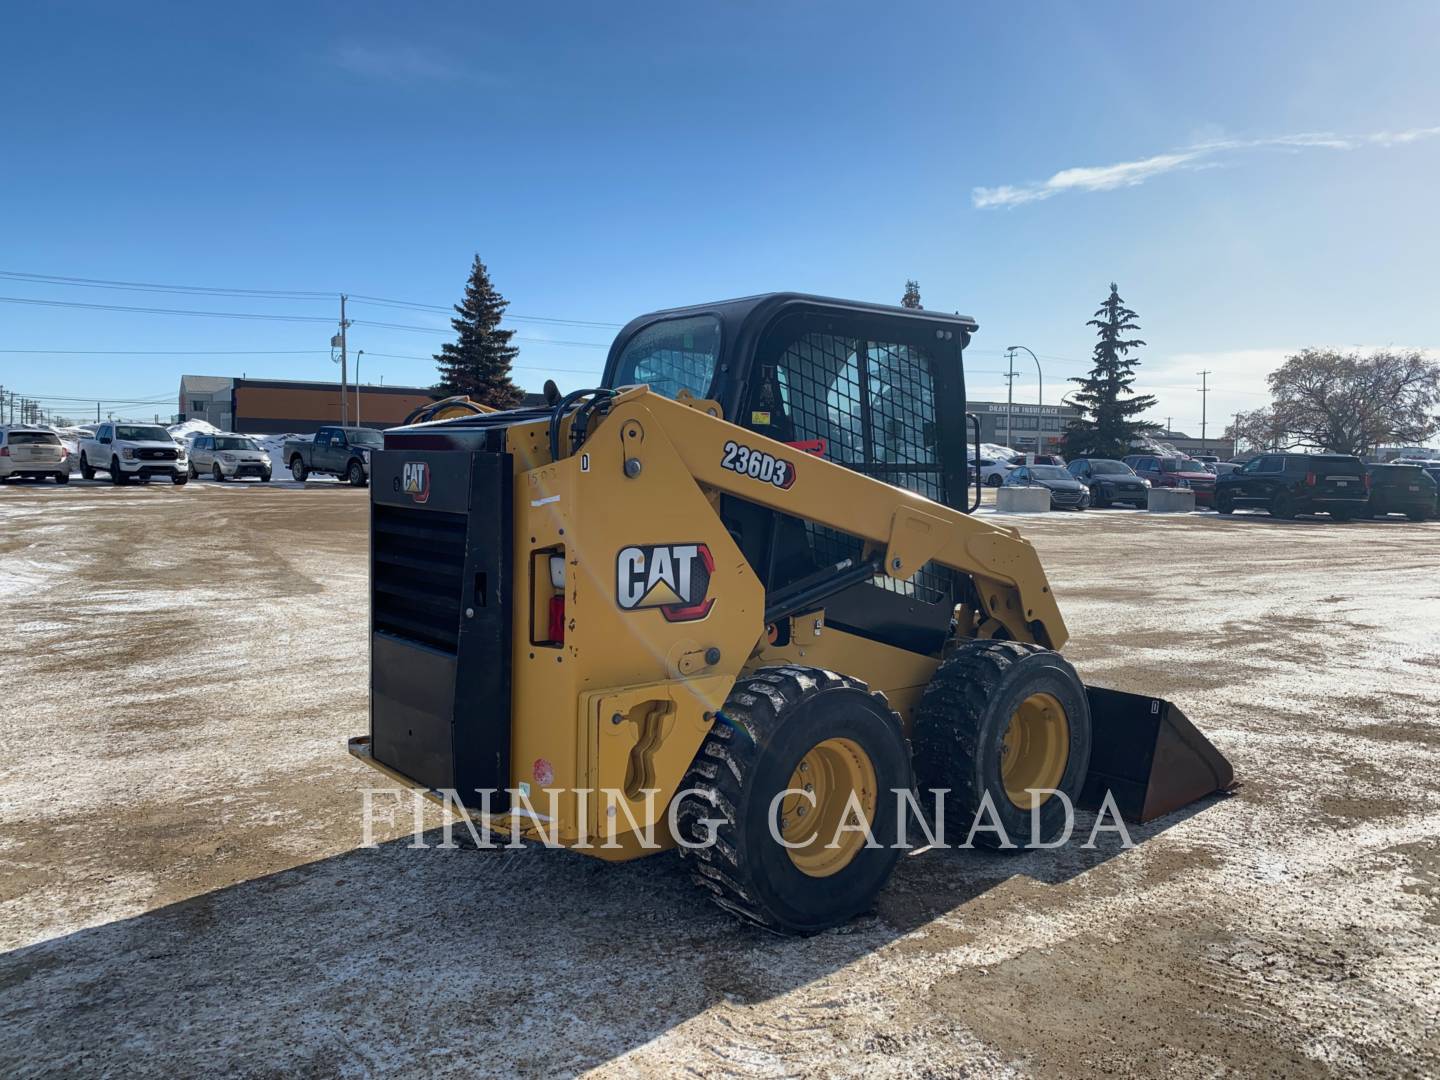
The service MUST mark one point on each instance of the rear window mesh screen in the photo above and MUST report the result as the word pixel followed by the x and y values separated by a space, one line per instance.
pixel 876 415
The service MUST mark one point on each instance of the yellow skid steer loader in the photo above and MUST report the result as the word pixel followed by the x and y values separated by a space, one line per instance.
pixel 734 601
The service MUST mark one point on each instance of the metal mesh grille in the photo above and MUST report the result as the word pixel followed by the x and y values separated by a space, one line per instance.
pixel 878 419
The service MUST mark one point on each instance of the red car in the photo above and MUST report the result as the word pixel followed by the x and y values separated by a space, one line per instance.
pixel 1179 472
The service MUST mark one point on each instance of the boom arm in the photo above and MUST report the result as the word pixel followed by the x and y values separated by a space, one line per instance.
pixel 1012 589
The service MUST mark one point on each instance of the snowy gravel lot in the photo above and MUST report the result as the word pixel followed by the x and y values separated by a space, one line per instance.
pixel 183 891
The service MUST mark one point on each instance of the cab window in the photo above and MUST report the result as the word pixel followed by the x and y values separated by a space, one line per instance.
pixel 672 355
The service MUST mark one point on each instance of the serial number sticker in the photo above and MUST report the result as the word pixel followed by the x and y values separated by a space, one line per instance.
pixel 758 465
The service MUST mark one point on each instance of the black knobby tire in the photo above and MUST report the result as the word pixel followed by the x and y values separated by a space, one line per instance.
pixel 960 725
pixel 86 472
pixel 355 474
pixel 771 720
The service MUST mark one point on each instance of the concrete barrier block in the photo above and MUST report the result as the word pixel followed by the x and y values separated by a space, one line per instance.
pixel 1171 500
pixel 1022 500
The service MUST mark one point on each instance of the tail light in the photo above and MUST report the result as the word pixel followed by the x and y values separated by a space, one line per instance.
pixel 4 451
pixel 1367 481
pixel 1310 479
pixel 556 630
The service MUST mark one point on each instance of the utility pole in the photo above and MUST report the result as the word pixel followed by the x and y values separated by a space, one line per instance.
pixel 1204 400
pixel 344 389
pixel 1009 395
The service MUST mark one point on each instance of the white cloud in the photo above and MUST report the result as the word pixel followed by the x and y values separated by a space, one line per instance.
pixel 1130 173
pixel 393 63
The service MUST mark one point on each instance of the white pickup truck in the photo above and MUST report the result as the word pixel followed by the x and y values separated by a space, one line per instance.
pixel 133 452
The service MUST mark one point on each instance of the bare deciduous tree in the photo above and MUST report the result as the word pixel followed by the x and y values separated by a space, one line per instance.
pixel 1345 402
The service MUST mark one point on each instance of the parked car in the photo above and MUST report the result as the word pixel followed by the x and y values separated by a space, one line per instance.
pixel 1037 459
pixel 228 457
pixel 33 453
pixel 133 452
pixel 1290 484
pixel 1110 482
pixel 1223 468
pixel 1401 489
pixel 337 451
pixel 1171 471
pixel 991 471
pixel 1066 493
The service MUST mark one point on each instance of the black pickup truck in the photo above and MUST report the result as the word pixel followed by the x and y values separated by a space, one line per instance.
pixel 334 451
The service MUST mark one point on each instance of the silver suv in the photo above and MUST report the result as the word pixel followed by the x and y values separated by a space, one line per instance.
pixel 228 457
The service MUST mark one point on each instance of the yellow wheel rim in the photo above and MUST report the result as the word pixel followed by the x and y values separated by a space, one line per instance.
pixel 1035 749
pixel 822 786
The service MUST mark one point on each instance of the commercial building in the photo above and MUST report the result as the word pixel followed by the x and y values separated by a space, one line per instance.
pixel 278 406
pixel 1028 428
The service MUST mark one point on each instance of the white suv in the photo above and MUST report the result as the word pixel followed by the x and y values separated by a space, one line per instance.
pixel 228 457
pixel 133 452
pixel 34 453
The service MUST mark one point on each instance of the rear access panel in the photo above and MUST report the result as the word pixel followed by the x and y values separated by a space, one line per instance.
pixel 440 558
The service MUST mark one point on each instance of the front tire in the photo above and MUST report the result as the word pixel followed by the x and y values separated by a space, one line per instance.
pixel 992 480
pixel 828 741
pixel 1224 502
pixel 1000 718
pixel 355 474
pixel 116 476
pixel 62 477
pixel 217 473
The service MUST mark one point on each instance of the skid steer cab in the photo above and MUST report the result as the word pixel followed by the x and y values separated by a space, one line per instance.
pixel 732 602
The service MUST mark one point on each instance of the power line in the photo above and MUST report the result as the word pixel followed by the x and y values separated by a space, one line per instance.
pixel 270 294
pixel 164 352
pixel 440 330
pixel 140 286
pixel 168 311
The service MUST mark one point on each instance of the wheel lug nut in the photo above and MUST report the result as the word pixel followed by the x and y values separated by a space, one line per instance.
pixel 800 810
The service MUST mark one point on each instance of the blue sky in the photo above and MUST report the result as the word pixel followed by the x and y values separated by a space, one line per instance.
pixel 1257 178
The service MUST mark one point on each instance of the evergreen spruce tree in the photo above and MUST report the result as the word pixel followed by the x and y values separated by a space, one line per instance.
pixel 911 299
pixel 1109 427
pixel 478 363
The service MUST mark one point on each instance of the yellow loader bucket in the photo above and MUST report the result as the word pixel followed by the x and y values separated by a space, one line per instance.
pixel 1148 754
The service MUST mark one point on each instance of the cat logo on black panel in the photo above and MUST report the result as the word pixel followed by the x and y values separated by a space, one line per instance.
pixel 672 577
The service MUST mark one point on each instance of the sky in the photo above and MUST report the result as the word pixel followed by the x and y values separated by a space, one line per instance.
pixel 1257 178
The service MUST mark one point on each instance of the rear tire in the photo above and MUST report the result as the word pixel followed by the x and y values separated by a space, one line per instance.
pixel 298 469
pixel 1416 515
pixel 62 477
pixel 86 472
pixel 779 726
pixel 1283 506
pixel 999 717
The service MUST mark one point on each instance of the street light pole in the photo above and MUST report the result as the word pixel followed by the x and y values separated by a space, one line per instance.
pixel 357 386
pixel 1039 393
